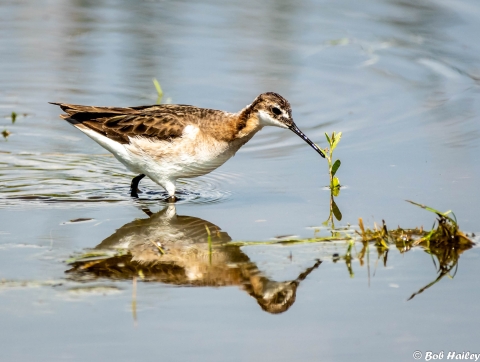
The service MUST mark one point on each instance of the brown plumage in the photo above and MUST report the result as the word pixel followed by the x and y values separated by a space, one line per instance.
pixel 173 249
pixel 167 142
pixel 160 122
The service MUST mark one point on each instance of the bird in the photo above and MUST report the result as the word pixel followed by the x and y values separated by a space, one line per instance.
pixel 185 251
pixel 170 141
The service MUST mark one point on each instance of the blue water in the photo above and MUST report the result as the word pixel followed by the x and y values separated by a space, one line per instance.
pixel 398 78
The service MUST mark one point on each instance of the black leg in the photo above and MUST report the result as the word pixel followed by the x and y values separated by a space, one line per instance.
pixel 134 186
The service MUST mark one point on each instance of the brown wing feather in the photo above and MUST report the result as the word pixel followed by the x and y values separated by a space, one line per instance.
pixel 162 122
pixel 159 122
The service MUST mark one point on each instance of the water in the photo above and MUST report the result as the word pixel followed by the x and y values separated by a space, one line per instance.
pixel 398 78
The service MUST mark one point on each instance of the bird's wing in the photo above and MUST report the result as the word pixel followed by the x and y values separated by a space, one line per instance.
pixel 162 122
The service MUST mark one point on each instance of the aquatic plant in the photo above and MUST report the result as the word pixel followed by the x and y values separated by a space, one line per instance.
pixel 445 242
pixel 334 181
pixel 333 166
pixel 6 133
pixel 159 90
pixel 447 233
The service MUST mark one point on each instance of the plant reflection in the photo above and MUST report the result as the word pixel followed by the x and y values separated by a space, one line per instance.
pixel 445 243
pixel 183 250
pixel 189 251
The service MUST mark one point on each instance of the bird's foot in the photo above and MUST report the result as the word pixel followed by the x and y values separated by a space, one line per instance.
pixel 172 199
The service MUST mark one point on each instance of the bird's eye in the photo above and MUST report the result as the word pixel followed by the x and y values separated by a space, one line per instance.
pixel 276 111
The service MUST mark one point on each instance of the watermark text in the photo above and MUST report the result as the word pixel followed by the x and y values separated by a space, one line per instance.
pixel 429 355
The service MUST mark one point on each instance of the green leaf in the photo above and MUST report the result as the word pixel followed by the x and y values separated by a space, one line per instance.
pixel 14 117
pixel 159 90
pixel 336 191
pixel 335 167
pixel 335 182
pixel 336 211
pixel 328 139
pixel 335 186
pixel 337 139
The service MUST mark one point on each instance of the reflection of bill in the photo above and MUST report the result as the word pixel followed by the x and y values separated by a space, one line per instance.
pixel 175 249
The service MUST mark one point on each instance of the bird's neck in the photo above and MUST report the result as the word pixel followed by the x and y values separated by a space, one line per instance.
pixel 247 123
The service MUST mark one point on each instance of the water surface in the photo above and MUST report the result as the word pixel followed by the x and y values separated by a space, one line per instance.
pixel 398 78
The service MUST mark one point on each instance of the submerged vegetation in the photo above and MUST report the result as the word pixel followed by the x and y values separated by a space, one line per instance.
pixel 6 132
pixel 217 260
pixel 445 242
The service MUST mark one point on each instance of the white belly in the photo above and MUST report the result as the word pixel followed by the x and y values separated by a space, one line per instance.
pixel 180 164
pixel 194 154
pixel 191 155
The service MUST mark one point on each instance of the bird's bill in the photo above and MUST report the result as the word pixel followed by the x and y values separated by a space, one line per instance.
pixel 297 131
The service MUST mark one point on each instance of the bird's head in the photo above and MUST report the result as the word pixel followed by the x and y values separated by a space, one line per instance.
pixel 274 110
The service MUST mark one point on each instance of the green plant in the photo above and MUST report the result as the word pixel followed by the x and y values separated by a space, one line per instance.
pixel 6 133
pixel 334 185
pixel 159 90
pixel 333 166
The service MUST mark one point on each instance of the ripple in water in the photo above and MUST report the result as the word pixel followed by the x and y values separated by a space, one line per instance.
pixel 77 178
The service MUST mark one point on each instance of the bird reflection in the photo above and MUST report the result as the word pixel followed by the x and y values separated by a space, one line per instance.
pixel 185 250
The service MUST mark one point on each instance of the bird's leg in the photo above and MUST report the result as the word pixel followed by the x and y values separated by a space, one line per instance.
pixel 170 187
pixel 134 186
pixel 172 199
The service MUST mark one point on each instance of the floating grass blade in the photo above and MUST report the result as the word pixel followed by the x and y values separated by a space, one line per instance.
pixel 439 213
pixel 94 255
pixel 289 242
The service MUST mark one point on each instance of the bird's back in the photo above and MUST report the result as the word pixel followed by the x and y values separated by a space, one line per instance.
pixel 159 122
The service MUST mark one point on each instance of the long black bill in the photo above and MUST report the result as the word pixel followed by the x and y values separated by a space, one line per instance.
pixel 297 131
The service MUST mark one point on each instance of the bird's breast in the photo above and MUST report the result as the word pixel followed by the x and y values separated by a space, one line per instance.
pixel 193 154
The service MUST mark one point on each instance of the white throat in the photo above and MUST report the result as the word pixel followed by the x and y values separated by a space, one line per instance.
pixel 266 120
